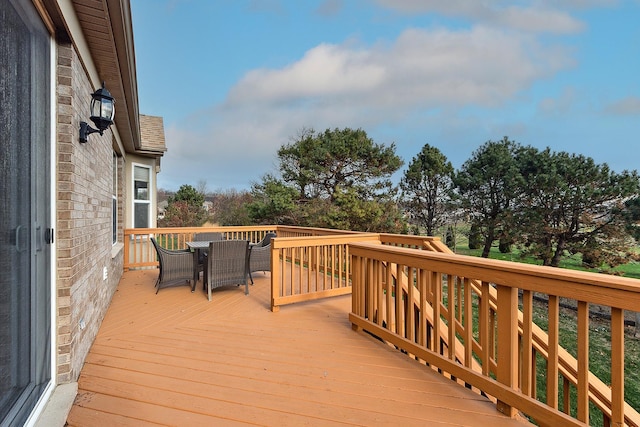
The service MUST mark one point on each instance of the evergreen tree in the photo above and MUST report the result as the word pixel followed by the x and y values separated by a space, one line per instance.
pixel 185 209
pixel 488 186
pixel 426 189
pixel 572 205
pixel 339 179
pixel 474 236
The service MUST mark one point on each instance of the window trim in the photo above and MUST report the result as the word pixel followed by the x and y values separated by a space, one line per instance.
pixel 133 193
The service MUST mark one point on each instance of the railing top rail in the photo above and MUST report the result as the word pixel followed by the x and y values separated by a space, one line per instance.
pixel 408 237
pixel 319 231
pixel 166 230
pixel 291 242
pixel 312 231
pixel 613 291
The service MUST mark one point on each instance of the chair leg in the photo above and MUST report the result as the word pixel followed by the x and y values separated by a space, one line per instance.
pixel 205 284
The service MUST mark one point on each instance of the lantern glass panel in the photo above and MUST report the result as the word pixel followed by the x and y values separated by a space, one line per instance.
pixel 107 109
pixel 96 106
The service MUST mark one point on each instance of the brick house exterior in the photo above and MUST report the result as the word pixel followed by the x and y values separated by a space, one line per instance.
pixel 91 43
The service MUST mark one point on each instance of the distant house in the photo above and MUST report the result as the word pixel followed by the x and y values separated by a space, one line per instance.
pixel 208 206
pixel 162 208
pixel 64 204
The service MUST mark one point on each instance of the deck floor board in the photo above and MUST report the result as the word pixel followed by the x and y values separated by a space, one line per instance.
pixel 176 359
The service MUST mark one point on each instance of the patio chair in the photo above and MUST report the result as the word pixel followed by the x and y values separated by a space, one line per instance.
pixel 176 267
pixel 227 264
pixel 205 237
pixel 260 255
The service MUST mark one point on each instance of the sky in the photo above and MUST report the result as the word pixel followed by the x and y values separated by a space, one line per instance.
pixel 234 80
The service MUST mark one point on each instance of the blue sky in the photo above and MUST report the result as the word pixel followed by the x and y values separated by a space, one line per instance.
pixel 236 79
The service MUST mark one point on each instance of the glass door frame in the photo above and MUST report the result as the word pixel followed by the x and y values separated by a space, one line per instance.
pixel 53 333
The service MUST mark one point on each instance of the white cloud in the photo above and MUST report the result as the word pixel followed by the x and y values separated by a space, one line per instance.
pixel 538 17
pixel 350 85
pixel 422 68
pixel 629 106
pixel 538 20
pixel 329 8
pixel 324 70
pixel 560 105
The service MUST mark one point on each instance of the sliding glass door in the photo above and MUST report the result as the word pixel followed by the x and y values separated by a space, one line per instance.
pixel 25 229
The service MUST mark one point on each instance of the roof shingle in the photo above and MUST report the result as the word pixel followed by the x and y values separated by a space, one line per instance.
pixel 152 133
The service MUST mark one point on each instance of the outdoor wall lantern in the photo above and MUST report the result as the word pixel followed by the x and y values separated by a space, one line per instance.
pixel 102 110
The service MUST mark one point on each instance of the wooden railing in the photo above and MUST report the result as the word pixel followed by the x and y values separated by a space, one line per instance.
pixel 482 305
pixel 308 268
pixel 460 314
pixel 139 252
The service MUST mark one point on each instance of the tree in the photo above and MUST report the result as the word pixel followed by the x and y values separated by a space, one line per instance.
pixel 336 179
pixel 474 236
pixel 273 202
pixel 426 189
pixel 487 187
pixel 450 238
pixel 632 217
pixel 202 187
pixel 296 163
pixel 317 164
pixel 230 208
pixel 188 194
pixel 350 211
pixel 185 209
pixel 573 205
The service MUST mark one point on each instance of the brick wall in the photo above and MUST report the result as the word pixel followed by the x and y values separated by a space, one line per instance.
pixel 84 204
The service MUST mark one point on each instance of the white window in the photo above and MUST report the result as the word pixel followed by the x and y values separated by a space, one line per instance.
pixel 141 196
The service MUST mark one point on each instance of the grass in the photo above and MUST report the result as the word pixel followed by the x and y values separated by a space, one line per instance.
pixel 631 269
pixel 599 354
pixel 599 333
pixel 599 357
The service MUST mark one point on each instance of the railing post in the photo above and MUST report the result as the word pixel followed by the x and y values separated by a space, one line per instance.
pixel 553 327
pixel 527 376
pixel 507 342
pixel 357 288
pixel 275 276
pixel 127 241
pixel 485 341
pixel 583 362
pixel 617 367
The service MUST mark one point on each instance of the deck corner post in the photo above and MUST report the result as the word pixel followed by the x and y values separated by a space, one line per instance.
pixel 507 343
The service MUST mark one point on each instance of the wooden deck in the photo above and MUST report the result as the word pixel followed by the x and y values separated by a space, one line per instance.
pixel 176 359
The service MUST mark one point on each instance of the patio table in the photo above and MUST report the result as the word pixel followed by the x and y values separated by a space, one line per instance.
pixel 196 247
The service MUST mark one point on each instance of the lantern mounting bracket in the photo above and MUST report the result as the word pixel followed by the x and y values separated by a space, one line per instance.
pixel 86 130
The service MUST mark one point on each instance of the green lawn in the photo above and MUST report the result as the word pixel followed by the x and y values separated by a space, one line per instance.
pixel 599 356
pixel 599 332
pixel 631 269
